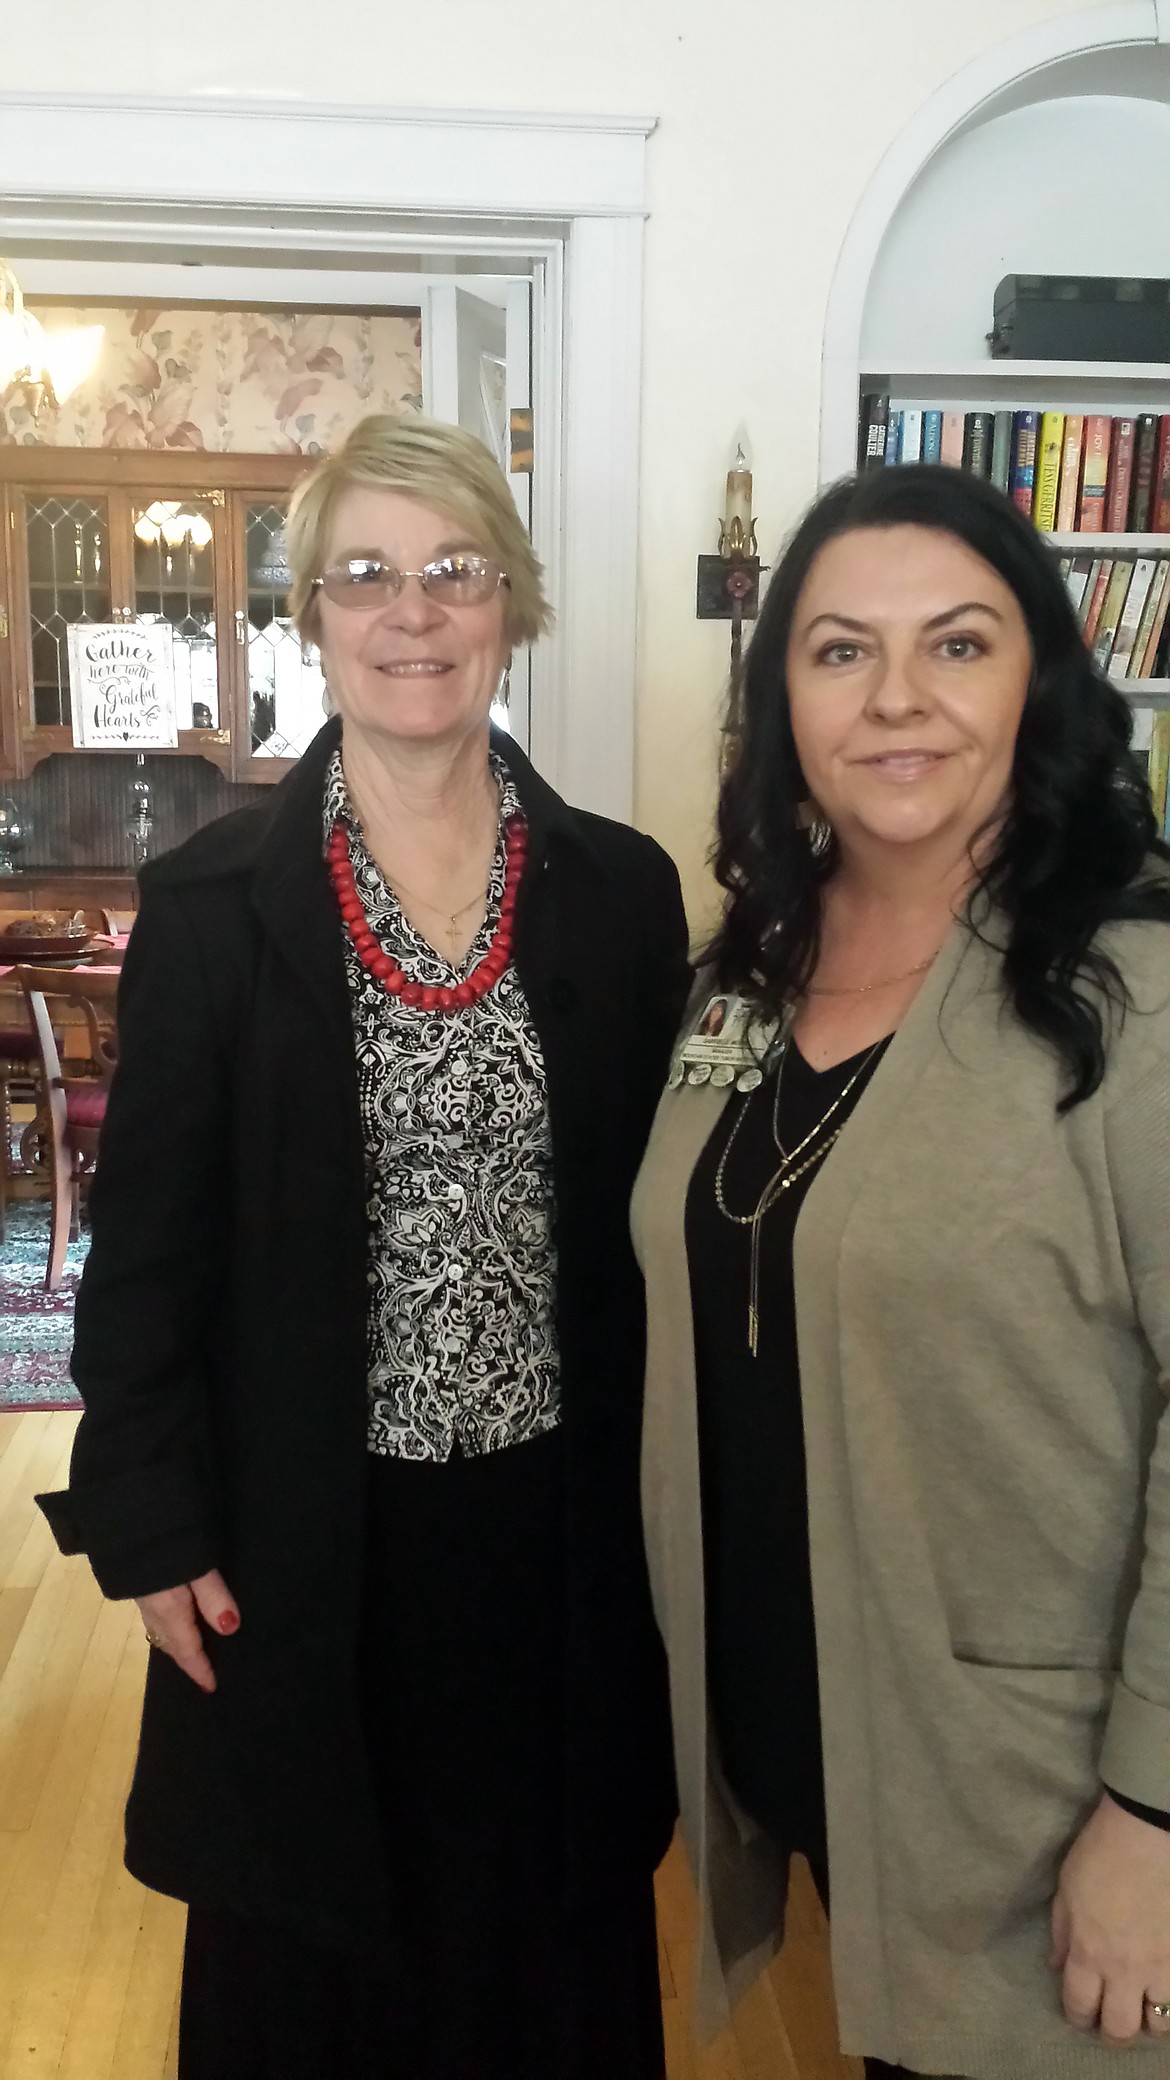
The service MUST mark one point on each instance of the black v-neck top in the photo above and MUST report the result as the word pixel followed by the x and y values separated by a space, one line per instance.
pixel 761 1638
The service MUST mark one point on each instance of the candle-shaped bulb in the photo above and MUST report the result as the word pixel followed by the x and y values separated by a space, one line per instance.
pixel 738 539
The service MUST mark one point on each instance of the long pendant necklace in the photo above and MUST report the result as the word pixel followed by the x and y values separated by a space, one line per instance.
pixel 426 997
pixel 790 1169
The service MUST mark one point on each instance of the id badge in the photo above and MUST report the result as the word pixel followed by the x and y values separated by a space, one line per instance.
pixel 732 1041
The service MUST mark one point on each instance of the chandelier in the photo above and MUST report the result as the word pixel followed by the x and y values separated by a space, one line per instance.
pixel 46 365
pixel 23 346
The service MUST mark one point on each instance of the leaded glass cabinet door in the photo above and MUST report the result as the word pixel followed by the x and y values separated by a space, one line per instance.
pixel 282 684
pixel 62 575
pixel 181 575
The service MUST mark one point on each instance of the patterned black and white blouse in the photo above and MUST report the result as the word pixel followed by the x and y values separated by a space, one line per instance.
pixel 462 1263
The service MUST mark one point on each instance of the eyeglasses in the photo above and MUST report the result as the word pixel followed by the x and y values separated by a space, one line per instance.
pixel 452 581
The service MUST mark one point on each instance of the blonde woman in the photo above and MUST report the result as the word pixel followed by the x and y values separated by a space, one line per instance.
pixel 360 1345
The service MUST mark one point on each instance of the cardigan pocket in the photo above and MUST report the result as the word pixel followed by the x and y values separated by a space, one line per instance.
pixel 1042 1656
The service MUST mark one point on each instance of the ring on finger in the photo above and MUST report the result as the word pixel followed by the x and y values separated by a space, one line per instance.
pixel 153 1640
pixel 1160 2010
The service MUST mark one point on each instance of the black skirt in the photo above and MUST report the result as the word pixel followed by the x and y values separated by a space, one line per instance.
pixel 484 1974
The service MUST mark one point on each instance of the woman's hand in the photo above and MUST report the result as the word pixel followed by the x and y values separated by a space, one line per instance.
pixel 1111 1925
pixel 171 1618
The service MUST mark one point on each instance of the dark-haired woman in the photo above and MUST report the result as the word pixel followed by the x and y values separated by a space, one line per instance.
pixel 906 1236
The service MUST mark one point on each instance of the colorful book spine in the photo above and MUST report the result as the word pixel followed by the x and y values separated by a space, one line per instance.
pixel 1001 451
pixel 1070 473
pixel 1145 454
pixel 1022 482
pixel 1095 597
pixel 1147 663
pixel 911 443
pixel 894 438
pixel 1137 593
pixel 1149 616
pixel 954 427
pixel 977 438
pixel 1112 609
pixel 1049 448
pixel 1120 476
pixel 1095 473
pixel 1160 513
pixel 875 411
pixel 932 436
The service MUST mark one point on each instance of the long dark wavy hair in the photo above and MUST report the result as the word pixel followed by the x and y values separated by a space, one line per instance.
pixel 1078 848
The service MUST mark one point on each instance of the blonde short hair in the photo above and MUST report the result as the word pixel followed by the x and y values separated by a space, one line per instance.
pixel 440 466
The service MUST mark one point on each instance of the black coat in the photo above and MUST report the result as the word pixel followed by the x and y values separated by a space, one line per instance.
pixel 221 1345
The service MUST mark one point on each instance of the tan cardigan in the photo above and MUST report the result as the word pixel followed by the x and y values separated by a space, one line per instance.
pixel 983 1314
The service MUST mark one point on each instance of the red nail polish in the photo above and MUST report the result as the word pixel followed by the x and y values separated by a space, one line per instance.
pixel 228 1621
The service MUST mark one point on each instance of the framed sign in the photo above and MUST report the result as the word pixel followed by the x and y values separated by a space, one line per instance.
pixel 122 685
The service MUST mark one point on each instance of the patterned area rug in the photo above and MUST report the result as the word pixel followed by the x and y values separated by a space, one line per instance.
pixel 36 1328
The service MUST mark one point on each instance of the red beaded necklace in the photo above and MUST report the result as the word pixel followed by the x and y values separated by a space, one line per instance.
pixel 486 973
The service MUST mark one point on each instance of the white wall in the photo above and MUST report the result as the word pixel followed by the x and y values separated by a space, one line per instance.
pixel 773 114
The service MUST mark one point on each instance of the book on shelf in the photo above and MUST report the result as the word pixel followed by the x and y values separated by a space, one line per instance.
pixel 1146 666
pixel 1120 476
pixel 910 445
pixel 978 431
pixel 1077 579
pixel 1070 472
pixel 1022 479
pixel 1160 514
pixel 1049 448
pixel 954 437
pixel 1094 473
pixel 1001 451
pixel 1137 592
pixel 1146 626
pixel 1155 729
pixel 1094 596
pixel 1112 608
pixel 1145 451
pixel 932 436
pixel 875 408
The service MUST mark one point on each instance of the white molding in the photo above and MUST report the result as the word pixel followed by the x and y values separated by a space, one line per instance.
pixel 1121 23
pixel 204 149
pixel 1162 11
pixel 603 296
pixel 564 194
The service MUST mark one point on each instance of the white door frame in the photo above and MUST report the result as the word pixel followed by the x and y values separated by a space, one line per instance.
pixel 568 191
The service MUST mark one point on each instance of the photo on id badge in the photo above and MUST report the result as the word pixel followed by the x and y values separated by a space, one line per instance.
pixel 727 1044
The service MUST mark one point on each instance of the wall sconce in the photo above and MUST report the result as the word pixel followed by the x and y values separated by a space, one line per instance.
pixel 729 583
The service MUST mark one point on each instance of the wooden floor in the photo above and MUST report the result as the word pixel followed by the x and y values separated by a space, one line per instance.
pixel 89 1960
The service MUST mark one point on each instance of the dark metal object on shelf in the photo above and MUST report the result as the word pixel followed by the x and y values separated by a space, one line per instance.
pixel 1081 317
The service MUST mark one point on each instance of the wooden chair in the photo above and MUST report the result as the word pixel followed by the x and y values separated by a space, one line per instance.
pixel 75 1104
pixel 20 1076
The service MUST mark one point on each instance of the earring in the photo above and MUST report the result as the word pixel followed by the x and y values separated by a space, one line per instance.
pixel 504 689
pixel 820 836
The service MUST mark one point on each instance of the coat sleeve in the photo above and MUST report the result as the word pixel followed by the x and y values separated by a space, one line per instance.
pixel 141 1499
pixel 668 967
pixel 1136 1755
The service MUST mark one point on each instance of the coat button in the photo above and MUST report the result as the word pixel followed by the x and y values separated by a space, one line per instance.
pixel 562 995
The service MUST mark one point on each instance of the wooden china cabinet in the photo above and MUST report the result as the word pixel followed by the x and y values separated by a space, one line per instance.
pixel 107 535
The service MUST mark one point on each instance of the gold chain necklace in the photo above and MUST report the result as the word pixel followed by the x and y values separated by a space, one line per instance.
pixel 861 989
pixel 786 1175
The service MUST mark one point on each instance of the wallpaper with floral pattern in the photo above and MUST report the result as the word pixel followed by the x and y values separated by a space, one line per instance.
pixel 257 382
